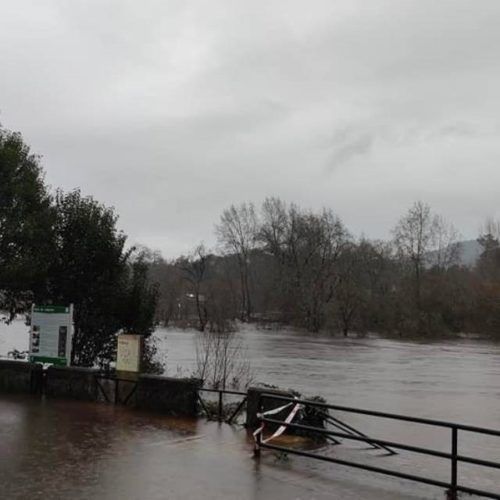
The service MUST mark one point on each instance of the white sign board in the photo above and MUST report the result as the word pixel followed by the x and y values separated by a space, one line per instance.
pixel 128 353
pixel 51 334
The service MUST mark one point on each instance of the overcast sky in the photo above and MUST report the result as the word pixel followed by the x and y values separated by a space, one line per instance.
pixel 172 110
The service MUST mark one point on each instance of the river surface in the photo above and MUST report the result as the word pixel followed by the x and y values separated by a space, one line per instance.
pixel 451 380
pixel 456 380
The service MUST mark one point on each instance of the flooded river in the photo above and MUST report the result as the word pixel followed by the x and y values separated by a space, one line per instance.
pixel 457 380
pixel 454 380
pixel 449 379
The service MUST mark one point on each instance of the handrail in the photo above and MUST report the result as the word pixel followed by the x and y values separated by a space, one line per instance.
pixel 380 414
pixel 371 468
pixel 221 393
pixel 224 391
pixel 453 487
pixel 391 444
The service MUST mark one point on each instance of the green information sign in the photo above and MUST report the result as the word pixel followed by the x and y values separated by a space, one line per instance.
pixel 51 334
pixel 47 359
pixel 51 309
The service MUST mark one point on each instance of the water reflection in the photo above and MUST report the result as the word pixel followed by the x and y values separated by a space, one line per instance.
pixel 63 448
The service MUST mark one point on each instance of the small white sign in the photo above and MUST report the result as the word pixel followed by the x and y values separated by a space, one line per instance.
pixel 128 353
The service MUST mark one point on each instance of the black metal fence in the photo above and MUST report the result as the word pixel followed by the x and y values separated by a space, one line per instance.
pixel 116 396
pixel 119 384
pixel 220 403
pixel 453 487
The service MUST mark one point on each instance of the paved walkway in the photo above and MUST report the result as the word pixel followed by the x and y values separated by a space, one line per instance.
pixel 71 450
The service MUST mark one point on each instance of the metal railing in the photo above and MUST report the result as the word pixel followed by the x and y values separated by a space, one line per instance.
pixel 120 381
pixel 220 403
pixel 116 390
pixel 453 487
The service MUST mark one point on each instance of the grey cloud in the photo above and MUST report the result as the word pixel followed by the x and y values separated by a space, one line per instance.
pixel 349 147
pixel 171 110
pixel 457 130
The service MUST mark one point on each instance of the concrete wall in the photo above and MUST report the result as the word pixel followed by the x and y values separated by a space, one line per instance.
pixel 167 395
pixel 19 376
pixel 267 404
pixel 71 382
pixel 106 394
pixel 163 394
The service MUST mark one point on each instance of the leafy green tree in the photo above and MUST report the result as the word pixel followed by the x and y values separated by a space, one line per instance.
pixel 87 270
pixel 138 297
pixel 138 300
pixel 93 270
pixel 26 218
pixel 67 249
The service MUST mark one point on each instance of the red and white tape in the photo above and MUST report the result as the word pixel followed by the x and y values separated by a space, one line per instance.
pixel 282 428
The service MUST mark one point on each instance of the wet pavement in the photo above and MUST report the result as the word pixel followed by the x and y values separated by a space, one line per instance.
pixel 449 379
pixel 55 449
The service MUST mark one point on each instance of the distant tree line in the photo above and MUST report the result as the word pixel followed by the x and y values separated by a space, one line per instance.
pixel 293 266
pixel 63 248
pixel 275 263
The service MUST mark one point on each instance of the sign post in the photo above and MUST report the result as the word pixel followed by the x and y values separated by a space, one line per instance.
pixel 51 334
pixel 129 353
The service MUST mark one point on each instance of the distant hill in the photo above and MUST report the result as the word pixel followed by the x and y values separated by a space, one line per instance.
pixel 470 252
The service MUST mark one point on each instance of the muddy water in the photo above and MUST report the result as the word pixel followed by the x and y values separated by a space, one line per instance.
pixel 451 380
pixel 454 380
pixel 61 450
pixel 457 380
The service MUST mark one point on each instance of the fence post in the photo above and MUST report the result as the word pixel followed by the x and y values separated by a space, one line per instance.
pixel 220 406
pixel 258 436
pixel 452 495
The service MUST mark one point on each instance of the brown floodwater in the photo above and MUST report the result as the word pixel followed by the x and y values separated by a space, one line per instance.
pixel 72 450
pixel 92 447
pixel 453 380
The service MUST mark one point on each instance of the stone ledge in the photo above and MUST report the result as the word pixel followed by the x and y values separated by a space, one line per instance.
pixel 20 376
pixel 71 382
pixel 168 395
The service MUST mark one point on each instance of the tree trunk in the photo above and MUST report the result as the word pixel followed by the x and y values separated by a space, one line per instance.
pixel 200 314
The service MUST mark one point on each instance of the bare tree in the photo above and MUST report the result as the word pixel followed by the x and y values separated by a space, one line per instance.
pixel 491 227
pixel 366 287
pixel 236 233
pixel 421 240
pixel 413 237
pixel 350 291
pixel 194 268
pixel 221 362
pixel 447 248
pixel 275 227
pixel 306 247
pixel 171 286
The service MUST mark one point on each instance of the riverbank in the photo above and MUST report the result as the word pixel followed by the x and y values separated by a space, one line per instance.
pixel 276 326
